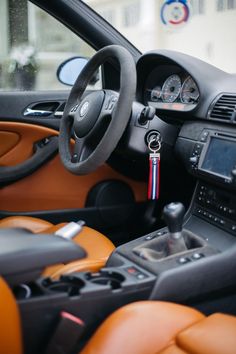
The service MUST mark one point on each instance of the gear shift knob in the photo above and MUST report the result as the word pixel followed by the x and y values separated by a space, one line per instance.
pixel 173 214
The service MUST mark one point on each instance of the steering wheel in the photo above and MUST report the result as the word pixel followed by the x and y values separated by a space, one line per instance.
pixel 98 120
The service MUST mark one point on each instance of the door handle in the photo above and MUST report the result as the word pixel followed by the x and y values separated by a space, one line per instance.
pixel 37 112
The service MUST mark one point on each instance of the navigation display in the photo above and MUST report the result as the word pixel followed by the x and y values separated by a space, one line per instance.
pixel 220 157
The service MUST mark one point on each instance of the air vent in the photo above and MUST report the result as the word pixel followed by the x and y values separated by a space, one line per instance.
pixel 224 108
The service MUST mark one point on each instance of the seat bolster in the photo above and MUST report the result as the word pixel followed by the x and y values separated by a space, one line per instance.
pixel 97 246
pixel 172 349
pixel 35 225
pixel 10 326
pixel 216 334
pixel 145 327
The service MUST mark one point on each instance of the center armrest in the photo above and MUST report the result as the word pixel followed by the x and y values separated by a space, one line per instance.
pixel 24 255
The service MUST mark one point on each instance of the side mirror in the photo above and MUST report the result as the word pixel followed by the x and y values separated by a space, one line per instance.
pixel 69 70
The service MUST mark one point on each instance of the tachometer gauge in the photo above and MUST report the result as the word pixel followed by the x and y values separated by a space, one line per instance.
pixel 156 93
pixel 189 92
pixel 171 88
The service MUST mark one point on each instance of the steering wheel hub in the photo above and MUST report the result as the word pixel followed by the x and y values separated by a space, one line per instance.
pixel 87 113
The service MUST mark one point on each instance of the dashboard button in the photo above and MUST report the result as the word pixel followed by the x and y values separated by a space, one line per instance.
pixel 197 256
pixel 194 159
pixel 204 136
pixel 160 233
pixel 132 270
pixel 184 260
pixel 141 276
pixel 149 237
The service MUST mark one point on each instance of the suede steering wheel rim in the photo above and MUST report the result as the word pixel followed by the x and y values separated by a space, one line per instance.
pixel 102 110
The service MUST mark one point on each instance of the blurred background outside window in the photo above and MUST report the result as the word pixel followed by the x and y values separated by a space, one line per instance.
pixel 33 44
pixel 209 32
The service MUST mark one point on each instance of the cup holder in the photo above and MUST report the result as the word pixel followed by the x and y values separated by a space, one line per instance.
pixel 112 279
pixel 67 284
pixel 22 292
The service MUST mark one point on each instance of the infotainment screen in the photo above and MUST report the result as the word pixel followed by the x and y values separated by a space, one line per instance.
pixel 220 157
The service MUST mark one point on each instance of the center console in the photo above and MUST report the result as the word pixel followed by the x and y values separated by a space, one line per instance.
pixel 146 268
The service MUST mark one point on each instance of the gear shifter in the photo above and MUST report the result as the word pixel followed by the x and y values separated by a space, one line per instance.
pixel 172 243
pixel 173 214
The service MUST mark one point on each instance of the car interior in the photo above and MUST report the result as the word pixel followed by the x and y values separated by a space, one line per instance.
pixel 118 204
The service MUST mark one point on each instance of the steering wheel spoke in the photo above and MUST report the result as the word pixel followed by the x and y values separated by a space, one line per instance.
pixel 73 110
pixel 78 149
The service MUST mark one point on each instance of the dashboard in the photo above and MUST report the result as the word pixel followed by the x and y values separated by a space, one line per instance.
pixel 184 87
pixel 169 87
pixel 194 108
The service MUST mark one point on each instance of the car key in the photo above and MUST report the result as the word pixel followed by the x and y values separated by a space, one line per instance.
pixel 154 170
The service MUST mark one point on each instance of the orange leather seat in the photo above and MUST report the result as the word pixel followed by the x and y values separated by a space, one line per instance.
pixel 151 327
pixel 10 325
pixel 146 327
pixel 97 246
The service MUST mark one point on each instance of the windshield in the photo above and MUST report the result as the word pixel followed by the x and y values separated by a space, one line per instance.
pixel 201 28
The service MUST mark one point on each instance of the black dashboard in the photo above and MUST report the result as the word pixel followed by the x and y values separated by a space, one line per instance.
pixel 200 101
pixel 195 105
pixel 181 86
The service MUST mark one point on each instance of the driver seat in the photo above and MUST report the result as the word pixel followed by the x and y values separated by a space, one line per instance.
pixel 97 246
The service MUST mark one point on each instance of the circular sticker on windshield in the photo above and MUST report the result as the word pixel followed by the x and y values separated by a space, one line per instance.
pixel 175 13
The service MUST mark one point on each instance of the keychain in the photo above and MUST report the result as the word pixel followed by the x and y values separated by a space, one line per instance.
pixel 154 170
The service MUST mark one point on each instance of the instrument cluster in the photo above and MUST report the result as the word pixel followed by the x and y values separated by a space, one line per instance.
pixel 173 91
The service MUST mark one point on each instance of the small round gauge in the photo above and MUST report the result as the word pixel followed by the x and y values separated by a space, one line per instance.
pixel 155 93
pixel 171 88
pixel 189 92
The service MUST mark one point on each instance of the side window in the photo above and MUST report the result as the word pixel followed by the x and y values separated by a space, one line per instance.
pixel 33 44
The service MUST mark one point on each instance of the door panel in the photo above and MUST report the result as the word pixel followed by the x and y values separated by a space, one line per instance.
pixel 52 187
pixel 8 141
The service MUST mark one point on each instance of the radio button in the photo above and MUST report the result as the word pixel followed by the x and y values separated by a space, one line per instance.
pixel 184 260
pixel 231 211
pixel 197 256
pixel 204 136
pixel 194 159
pixel 233 228
pixel 197 149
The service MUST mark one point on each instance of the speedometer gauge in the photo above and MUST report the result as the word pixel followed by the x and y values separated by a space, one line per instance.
pixel 171 88
pixel 189 92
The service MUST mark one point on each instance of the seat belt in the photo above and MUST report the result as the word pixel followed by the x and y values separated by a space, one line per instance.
pixel 67 334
